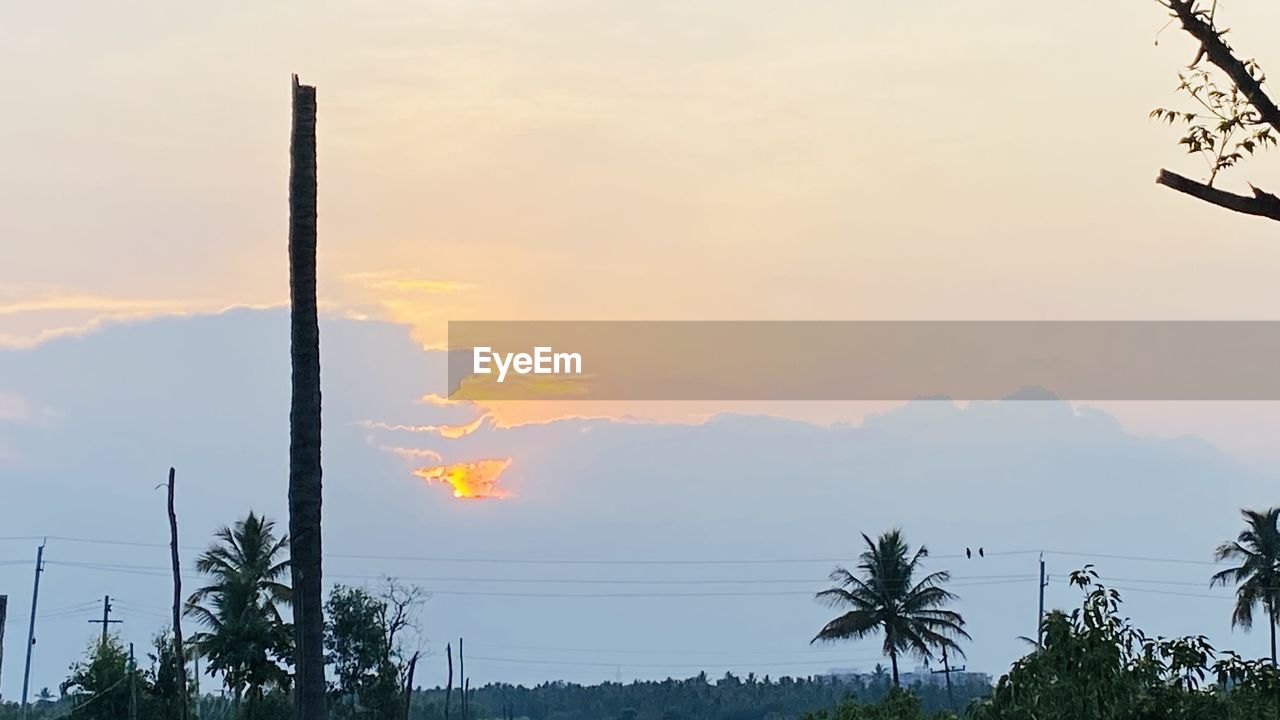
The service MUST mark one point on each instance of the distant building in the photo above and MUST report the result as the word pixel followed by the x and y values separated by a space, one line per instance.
pixel 920 674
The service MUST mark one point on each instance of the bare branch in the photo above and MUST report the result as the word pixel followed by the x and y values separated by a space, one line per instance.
pixel 1262 203
pixel 1220 54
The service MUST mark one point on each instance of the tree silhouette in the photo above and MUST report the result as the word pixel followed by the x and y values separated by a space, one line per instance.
pixel 1228 121
pixel 245 636
pixel 1257 577
pixel 885 598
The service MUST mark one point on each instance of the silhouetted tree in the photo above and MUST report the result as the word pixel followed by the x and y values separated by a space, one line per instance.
pixel 885 598
pixel 1229 120
pixel 245 637
pixel 1257 577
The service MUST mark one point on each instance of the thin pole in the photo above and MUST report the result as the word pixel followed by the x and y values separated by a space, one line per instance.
pixel 178 650
pixel 448 688
pixel 4 616
pixel 31 628
pixel 133 686
pixel 106 617
pixel 1040 620
pixel 946 668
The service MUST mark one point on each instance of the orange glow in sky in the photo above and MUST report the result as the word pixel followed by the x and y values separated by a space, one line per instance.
pixel 472 480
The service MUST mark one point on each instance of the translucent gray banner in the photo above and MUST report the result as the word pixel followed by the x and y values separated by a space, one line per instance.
pixel 864 360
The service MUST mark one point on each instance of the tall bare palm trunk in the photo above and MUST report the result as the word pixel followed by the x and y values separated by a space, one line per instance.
pixel 893 660
pixel 304 412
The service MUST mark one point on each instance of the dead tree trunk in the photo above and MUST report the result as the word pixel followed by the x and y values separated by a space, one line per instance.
pixel 178 651
pixel 304 412
pixel 4 612
pixel 448 686
pixel 408 686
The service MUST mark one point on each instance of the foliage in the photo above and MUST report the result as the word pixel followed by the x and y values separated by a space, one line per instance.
pixel 885 598
pixel 245 639
pixel 898 704
pixel 1097 665
pixel 103 684
pixel 163 679
pixel 1257 577
pixel 1225 128
pixel 1224 125
pixel 276 704
pixel 362 646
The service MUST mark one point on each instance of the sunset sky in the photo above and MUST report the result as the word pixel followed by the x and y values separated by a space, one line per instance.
pixel 600 159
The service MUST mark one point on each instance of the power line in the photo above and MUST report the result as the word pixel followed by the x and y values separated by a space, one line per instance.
pixel 588 663
pixel 153 569
pixel 809 652
pixel 531 561
pixel 620 561
pixel 961 582
pixel 1137 558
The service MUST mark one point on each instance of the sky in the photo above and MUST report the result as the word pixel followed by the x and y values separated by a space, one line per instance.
pixel 619 547
pixel 604 160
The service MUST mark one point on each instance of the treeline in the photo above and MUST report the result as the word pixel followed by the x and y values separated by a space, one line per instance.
pixel 727 698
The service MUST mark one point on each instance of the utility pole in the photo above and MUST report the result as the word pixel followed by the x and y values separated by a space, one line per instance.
pixel 31 628
pixel 133 686
pixel 1040 620
pixel 946 670
pixel 4 614
pixel 106 617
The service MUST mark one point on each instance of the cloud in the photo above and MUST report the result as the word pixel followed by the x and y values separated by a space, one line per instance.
pixel 450 432
pixel 14 408
pixel 403 281
pixel 413 453
pixel 470 480
pixel 31 315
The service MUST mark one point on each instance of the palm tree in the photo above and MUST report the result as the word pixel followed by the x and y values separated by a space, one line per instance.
pixel 304 410
pixel 886 599
pixel 1257 577
pixel 245 636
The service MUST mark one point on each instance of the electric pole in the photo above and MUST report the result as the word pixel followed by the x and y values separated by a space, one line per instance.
pixel 106 617
pixel 133 685
pixel 946 670
pixel 1040 620
pixel 31 628
pixel 4 614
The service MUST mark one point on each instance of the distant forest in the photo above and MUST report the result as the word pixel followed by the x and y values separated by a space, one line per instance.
pixel 728 698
